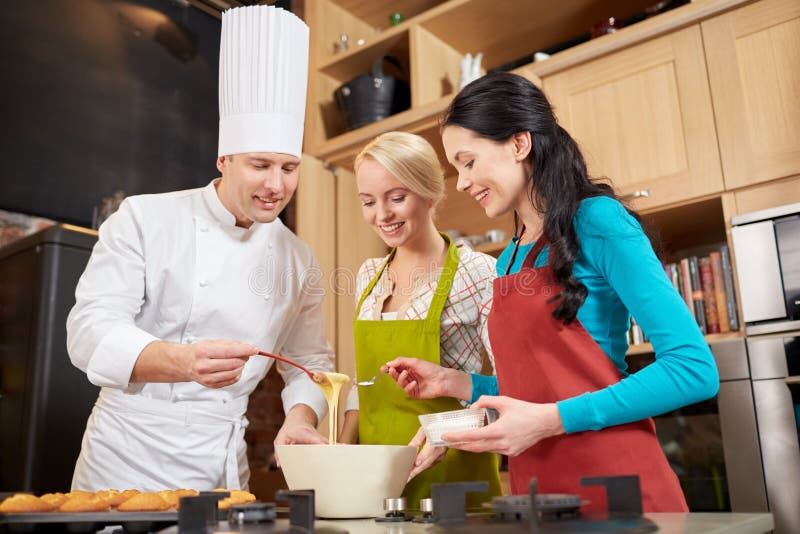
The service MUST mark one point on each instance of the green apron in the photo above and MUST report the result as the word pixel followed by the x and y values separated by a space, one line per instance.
pixel 388 416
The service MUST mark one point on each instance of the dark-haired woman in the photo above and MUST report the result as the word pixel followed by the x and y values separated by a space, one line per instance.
pixel 568 284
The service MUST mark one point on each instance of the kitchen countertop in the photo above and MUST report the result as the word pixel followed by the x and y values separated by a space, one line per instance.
pixel 668 523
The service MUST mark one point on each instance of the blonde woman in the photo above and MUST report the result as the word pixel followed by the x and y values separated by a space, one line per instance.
pixel 428 299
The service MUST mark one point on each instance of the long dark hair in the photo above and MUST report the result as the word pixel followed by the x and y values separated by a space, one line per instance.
pixel 501 104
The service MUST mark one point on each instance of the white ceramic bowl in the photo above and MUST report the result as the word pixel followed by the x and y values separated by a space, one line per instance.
pixel 437 424
pixel 349 481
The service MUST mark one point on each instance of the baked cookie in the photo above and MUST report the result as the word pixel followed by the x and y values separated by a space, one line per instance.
pixel 24 503
pixel 236 497
pixel 55 499
pixel 144 502
pixel 84 503
pixel 173 497
pixel 113 497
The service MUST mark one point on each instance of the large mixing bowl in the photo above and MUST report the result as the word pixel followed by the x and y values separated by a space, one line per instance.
pixel 348 480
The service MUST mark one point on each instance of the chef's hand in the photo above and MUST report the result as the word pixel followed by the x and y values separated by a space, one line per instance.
pixel 217 363
pixel 426 380
pixel 519 426
pixel 428 456
pixel 214 364
pixel 299 427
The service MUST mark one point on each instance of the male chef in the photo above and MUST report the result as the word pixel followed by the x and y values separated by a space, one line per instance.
pixel 183 288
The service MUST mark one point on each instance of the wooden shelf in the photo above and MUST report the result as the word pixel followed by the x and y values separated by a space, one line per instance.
pixel 376 12
pixel 493 249
pixel 647 348
pixel 357 60
pixel 341 149
pixel 503 31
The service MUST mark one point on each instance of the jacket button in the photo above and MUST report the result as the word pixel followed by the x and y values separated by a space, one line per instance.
pixel 203 283
pixel 204 228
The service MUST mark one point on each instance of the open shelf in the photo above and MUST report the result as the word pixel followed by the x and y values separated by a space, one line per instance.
pixel 647 348
pixel 435 35
pixel 506 31
pixel 358 60
pixel 688 229
pixel 376 12
pixel 493 249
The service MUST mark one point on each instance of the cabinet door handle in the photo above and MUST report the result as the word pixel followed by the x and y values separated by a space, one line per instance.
pixel 636 194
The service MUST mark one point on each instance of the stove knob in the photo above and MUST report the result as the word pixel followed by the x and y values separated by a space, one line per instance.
pixel 255 512
pixel 393 506
pixel 426 506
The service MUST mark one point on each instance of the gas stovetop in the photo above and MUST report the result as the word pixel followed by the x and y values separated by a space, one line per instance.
pixel 443 513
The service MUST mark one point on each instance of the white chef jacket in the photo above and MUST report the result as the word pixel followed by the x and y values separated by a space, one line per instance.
pixel 175 267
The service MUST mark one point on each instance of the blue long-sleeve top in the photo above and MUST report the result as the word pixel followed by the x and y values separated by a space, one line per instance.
pixel 624 277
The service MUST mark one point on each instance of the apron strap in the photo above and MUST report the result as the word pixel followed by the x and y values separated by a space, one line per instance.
pixel 442 287
pixel 530 259
pixel 374 281
pixel 232 479
pixel 445 283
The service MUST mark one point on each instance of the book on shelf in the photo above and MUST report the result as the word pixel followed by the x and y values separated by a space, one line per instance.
pixel 709 296
pixel 686 285
pixel 730 300
pixel 698 303
pixel 674 274
pixel 635 334
pixel 706 286
pixel 720 294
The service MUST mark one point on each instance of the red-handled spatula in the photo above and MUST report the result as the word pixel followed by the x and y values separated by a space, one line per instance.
pixel 319 378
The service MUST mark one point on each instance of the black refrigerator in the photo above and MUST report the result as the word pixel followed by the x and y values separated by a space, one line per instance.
pixel 44 400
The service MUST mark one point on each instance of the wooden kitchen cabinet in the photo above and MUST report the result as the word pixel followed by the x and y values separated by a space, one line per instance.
pixel 429 44
pixel 643 118
pixel 315 214
pixel 329 219
pixel 763 196
pixel 639 101
pixel 753 56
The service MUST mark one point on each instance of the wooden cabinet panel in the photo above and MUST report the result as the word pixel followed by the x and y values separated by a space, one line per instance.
pixel 754 70
pixel 355 242
pixel 315 201
pixel 768 195
pixel 643 118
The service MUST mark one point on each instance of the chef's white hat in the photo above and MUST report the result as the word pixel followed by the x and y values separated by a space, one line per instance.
pixel 263 72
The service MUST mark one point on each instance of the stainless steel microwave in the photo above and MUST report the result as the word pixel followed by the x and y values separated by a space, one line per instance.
pixel 766 246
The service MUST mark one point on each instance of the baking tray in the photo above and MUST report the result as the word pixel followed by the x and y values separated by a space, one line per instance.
pixel 86 521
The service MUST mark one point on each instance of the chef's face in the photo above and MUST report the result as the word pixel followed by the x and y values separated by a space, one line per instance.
pixel 493 173
pixel 255 187
pixel 397 214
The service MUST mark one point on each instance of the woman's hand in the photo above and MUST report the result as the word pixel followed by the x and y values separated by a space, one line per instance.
pixel 428 456
pixel 519 426
pixel 426 380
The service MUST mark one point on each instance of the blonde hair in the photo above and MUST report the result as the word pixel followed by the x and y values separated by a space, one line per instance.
pixel 409 158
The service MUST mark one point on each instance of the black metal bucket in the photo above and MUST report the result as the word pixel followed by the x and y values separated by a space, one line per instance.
pixel 372 97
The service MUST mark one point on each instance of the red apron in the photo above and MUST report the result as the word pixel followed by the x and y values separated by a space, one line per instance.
pixel 540 359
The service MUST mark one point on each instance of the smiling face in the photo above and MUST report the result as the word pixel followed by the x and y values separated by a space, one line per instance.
pixel 493 173
pixel 255 187
pixel 398 215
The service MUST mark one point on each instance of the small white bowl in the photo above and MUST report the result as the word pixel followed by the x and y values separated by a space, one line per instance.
pixel 349 481
pixel 436 424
